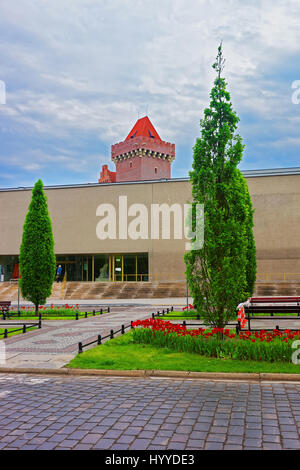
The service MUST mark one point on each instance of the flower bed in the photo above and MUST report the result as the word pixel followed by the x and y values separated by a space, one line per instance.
pixel 261 346
pixel 63 311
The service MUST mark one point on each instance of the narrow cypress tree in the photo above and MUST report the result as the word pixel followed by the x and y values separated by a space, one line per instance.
pixel 37 258
pixel 221 274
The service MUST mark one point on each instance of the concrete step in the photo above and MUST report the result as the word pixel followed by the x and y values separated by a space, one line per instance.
pixel 137 290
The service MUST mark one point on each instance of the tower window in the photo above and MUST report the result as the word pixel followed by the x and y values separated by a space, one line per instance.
pixel 130 164
pixel 155 170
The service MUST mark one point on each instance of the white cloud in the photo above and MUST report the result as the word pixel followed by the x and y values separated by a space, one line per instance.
pixel 90 65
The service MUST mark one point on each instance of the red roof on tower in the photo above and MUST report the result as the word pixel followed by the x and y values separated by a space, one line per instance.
pixel 143 127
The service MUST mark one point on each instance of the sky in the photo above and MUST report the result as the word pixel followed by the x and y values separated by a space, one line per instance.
pixel 79 73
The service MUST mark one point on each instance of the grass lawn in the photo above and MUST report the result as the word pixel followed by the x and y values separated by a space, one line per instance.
pixel 15 332
pixel 122 354
pixel 181 315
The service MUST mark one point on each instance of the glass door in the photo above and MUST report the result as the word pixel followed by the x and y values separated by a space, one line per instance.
pixel 118 267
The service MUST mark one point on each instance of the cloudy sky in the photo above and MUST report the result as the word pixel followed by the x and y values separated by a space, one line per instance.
pixel 78 73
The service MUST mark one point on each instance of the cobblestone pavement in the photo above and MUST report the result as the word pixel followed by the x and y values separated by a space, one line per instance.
pixel 38 412
pixel 57 342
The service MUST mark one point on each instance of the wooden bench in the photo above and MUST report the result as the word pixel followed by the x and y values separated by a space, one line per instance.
pixel 4 306
pixel 270 310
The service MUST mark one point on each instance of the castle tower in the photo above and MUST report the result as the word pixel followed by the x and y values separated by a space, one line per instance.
pixel 143 155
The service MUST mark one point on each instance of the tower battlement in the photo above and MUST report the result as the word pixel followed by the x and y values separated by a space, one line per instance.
pixel 143 155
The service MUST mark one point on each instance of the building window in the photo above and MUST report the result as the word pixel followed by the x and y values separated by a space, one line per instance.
pixel 130 164
pixel 155 170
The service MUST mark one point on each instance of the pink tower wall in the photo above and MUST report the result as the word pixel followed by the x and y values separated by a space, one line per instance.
pixel 143 168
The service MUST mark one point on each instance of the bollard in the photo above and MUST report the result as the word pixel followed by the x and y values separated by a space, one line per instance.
pixel 153 316
pixel 99 340
pixel 123 329
pixel 131 324
pixel 108 309
pixel 76 315
pixel 40 324
pixel 24 328
pixel 101 311
pixel 237 329
pixel 111 334
pixel 172 308
pixel 5 333
pixel 93 313
pixel 277 327
pixel 85 315
pixel 184 323
pixel 80 348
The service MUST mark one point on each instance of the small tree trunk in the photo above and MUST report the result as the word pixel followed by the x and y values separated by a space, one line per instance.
pixel 36 310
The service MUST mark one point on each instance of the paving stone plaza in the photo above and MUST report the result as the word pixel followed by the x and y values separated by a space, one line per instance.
pixel 39 412
pixel 119 413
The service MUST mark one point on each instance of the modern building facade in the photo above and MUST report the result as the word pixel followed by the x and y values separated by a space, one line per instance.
pixel 104 232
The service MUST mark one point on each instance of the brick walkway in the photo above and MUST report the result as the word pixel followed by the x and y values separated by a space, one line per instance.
pixel 57 342
pixel 38 412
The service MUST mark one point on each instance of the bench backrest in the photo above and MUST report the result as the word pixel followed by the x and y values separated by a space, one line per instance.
pixel 266 300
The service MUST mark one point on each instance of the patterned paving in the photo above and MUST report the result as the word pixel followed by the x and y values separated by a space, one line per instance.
pixel 117 413
pixel 57 342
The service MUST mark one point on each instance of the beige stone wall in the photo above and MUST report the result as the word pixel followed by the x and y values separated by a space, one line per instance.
pixel 73 211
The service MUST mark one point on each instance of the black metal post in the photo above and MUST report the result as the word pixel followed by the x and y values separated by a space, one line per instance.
pixel 93 313
pixel 111 334
pixel 5 333
pixel 40 324
pixel 85 314
pixel 76 315
pixel 80 350
pixel 24 328
pixel 123 329
pixel 99 340
pixel 101 311
pixel 108 309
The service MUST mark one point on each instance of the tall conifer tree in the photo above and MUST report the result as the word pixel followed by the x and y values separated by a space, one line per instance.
pixel 37 258
pixel 222 273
